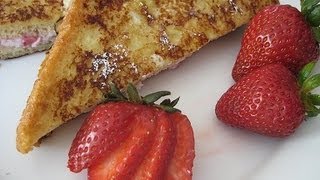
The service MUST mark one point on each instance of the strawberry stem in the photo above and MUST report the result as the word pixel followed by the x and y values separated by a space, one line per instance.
pixel 316 32
pixel 309 82
pixel 153 97
pixel 315 99
pixel 307 6
pixel 314 16
pixel 311 109
pixel 115 92
pixel 166 102
pixel 175 102
pixel 306 72
pixel 311 11
pixel 132 95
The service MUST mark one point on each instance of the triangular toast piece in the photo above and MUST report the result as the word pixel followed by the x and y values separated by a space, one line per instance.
pixel 120 41
pixel 27 26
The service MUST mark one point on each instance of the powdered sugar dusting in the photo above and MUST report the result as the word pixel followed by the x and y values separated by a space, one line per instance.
pixel 134 67
pixel 234 7
pixel 111 62
pixel 164 40
pixel 120 51
pixel 102 64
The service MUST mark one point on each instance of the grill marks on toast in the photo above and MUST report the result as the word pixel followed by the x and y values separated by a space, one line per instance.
pixel 120 41
pixel 13 10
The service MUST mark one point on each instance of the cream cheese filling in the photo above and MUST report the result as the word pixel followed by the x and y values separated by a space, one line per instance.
pixel 21 41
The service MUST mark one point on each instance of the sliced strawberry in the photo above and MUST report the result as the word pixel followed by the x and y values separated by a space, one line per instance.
pixel 123 161
pixel 135 139
pixel 180 166
pixel 102 132
pixel 156 162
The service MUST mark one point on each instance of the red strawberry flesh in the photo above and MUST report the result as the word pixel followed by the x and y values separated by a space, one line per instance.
pixel 156 162
pixel 121 163
pixel 133 138
pixel 180 166
pixel 103 131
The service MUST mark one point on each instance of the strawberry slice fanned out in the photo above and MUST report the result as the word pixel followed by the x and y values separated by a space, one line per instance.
pixel 181 163
pixel 131 137
pixel 121 163
pixel 103 131
pixel 156 162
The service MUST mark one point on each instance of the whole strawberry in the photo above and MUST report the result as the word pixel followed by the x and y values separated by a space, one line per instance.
pixel 270 100
pixel 277 34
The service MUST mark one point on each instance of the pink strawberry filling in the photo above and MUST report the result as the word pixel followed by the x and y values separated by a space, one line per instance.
pixel 28 40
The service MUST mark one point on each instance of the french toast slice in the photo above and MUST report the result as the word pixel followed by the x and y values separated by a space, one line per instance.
pixel 120 41
pixel 27 26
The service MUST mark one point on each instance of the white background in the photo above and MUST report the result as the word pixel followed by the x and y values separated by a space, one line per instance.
pixel 222 153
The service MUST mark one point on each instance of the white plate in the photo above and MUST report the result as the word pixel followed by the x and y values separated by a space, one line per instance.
pixel 222 153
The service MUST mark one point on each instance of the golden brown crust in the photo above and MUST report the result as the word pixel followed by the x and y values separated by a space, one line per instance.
pixel 9 53
pixel 29 10
pixel 120 41
pixel 28 17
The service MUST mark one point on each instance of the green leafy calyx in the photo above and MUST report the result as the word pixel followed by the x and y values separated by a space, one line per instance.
pixel 311 11
pixel 308 82
pixel 132 95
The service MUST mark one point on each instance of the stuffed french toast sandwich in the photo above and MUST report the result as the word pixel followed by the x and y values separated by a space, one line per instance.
pixel 28 26
pixel 121 42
